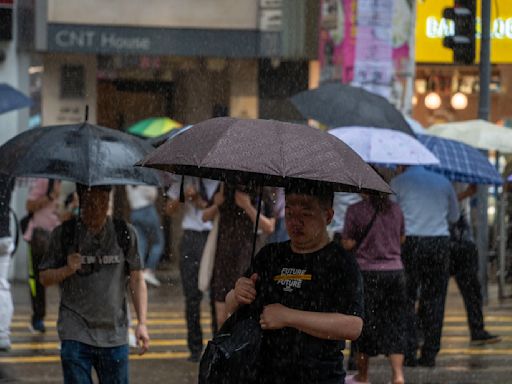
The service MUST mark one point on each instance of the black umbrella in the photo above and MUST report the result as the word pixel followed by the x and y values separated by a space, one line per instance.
pixel 265 152
pixel 82 153
pixel 12 99
pixel 339 105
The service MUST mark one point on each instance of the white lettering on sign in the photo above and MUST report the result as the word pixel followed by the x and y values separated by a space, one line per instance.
pixel 82 39
pixel 439 28
pixel 111 40
pixel 107 40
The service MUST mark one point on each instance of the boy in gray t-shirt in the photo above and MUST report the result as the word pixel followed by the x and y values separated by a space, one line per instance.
pixel 92 314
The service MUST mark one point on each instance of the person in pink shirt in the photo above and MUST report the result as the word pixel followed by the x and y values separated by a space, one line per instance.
pixel 42 207
pixel 374 231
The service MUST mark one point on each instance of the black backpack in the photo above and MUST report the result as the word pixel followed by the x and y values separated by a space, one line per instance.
pixel 232 356
pixel 68 236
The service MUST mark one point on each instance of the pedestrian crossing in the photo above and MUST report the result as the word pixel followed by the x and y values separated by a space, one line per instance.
pixel 168 334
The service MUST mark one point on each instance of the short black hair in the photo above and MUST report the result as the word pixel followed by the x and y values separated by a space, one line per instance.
pixel 324 193
pixel 82 188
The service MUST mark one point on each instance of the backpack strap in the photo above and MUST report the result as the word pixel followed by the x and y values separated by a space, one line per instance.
pixel 67 235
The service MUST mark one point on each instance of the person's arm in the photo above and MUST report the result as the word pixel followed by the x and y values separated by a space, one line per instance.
pixel 243 200
pixel 468 192
pixel 453 206
pixel 347 235
pixel 37 204
pixel 53 276
pixel 348 244
pixel 329 326
pixel 244 293
pixel 213 210
pixel 139 294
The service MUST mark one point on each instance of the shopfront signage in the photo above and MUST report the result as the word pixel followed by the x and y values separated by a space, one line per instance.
pixel 151 41
pixel 431 28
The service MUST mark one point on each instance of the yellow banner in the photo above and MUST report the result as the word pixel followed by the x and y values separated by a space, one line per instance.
pixel 431 28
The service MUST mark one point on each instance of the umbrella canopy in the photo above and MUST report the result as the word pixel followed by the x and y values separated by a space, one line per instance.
pixel 265 152
pixel 153 127
pixel 82 153
pixel 477 133
pixel 385 146
pixel 460 162
pixel 12 99
pixel 415 125
pixel 340 105
pixel 159 140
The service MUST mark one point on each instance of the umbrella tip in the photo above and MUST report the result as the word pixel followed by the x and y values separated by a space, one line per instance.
pixel 86 112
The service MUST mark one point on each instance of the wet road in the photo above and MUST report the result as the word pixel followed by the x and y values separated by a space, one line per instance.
pixel 35 358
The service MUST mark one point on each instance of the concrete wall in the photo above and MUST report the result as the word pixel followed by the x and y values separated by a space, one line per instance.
pixel 215 14
pixel 56 110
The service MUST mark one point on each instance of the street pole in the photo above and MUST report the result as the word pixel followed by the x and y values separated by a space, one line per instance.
pixel 483 113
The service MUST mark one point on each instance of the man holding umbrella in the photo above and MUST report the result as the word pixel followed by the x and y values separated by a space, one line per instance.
pixel 311 292
pixel 91 259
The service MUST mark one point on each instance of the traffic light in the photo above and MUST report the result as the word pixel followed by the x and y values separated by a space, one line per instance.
pixel 463 40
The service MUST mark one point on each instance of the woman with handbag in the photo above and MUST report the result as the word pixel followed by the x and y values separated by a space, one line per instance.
pixel 374 231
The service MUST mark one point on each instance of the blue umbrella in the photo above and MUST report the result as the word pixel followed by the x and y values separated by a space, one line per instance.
pixel 11 99
pixel 460 162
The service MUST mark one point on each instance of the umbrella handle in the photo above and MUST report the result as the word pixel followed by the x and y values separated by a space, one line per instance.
pixel 255 237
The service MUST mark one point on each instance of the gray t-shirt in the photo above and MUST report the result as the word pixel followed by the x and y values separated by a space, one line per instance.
pixel 93 308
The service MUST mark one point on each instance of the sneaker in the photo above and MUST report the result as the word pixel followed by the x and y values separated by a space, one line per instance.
pixel 150 278
pixel 484 338
pixel 351 379
pixel 37 326
pixel 5 345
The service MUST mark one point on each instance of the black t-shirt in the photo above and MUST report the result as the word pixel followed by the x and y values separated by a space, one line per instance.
pixel 328 280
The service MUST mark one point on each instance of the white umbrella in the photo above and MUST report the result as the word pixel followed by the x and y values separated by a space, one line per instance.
pixel 478 133
pixel 385 146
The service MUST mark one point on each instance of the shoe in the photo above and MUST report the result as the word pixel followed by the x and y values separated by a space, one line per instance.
pixel 150 278
pixel 427 362
pixel 410 362
pixel 484 338
pixel 351 379
pixel 37 326
pixel 5 345
pixel 194 357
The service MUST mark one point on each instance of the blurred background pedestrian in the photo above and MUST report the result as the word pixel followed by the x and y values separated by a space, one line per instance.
pixel 374 230
pixel 146 221
pixel 198 194
pixel 43 216
pixel 236 206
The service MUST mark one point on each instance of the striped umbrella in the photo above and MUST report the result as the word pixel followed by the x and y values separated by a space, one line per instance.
pixel 460 162
pixel 153 127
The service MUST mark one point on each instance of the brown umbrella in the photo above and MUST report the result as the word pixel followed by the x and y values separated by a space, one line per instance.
pixel 265 152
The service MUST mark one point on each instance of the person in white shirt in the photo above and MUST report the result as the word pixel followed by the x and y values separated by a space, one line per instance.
pixel 146 221
pixel 197 194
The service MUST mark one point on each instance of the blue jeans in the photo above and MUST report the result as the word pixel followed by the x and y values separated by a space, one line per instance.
pixel 147 224
pixel 78 359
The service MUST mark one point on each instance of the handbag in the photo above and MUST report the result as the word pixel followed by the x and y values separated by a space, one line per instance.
pixel 208 257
